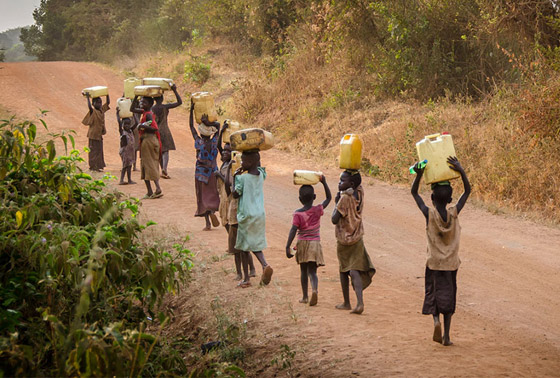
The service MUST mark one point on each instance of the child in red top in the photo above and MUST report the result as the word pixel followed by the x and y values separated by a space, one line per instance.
pixel 306 223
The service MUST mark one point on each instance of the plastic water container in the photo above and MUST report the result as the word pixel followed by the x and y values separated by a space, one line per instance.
pixel 148 91
pixel 350 152
pixel 129 85
pixel 251 139
pixel 436 148
pixel 204 104
pixel 302 177
pixel 233 127
pixel 97 91
pixel 123 104
pixel 235 161
pixel 164 83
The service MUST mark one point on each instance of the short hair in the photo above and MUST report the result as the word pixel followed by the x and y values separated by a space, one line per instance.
pixel 442 193
pixel 306 193
pixel 253 157
pixel 149 100
pixel 355 177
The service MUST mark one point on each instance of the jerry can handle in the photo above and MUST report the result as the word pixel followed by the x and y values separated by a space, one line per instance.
pixel 432 136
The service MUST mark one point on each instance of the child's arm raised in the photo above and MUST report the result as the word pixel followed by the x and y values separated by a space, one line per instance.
pixel 119 120
pixel 107 100
pixel 456 166
pixel 220 148
pixel 291 237
pixel 191 122
pixel 414 191
pixel 89 103
pixel 327 192
pixel 179 101
pixel 134 108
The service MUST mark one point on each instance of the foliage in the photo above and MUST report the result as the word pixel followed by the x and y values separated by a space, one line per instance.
pixel 197 69
pixel 76 282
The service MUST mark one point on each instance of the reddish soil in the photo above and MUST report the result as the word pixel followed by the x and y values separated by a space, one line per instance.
pixel 507 321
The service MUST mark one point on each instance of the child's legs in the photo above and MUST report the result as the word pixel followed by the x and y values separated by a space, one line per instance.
pixel 312 273
pixel 357 283
pixel 158 189
pixel 129 173
pixel 303 279
pixel 260 257
pixel 149 187
pixel 207 219
pixel 164 161
pixel 123 171
pixel 344 283
pixel 446 329
pixel 245 262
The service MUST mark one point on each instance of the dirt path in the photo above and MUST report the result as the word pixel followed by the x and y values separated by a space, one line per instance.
pixel 508 313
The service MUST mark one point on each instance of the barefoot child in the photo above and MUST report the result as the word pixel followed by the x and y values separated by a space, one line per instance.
pixel 206 145
pixel 161 111
pixel 228 206
pixel 95 120
pixel 306 222
pixel 126 150
pixel 352 256
pixel 443 233
pixel 150 145
pixel 250 214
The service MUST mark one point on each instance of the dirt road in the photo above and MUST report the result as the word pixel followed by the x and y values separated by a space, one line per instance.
pixel 508 314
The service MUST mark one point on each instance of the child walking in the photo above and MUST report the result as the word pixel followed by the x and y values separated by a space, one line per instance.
pixel 251 215
pixel 150 145
pixel 443 234
pixel 95 120
pixel 161 111
pixel 206 145
pixel 307 222
pixel 126 150
pixel 353 259
pixel 228 207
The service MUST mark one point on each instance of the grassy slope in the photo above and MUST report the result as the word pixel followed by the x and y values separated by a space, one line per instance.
pixel 310 105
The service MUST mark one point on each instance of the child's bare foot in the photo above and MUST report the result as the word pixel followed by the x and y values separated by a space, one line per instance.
pixel 123 183
pixel 314 298
pixel 437 333
pixel 207 228
pixel 446 341
pixel 358 309
pixel 131 182
pixel 252 273
pixel 267 275
pixel 239 277
pixel 303 300
pixel 343 306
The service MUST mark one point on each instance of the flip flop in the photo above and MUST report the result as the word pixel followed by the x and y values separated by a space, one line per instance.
pixel 243 285
pixel 157 195
pixel 267 275
pixel 214 219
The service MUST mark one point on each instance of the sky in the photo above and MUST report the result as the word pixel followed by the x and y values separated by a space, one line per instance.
pixel 16 13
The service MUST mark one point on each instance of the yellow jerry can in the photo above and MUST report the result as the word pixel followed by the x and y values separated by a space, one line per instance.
pixel 436 148
pixel 302 177
pixel 96 91
pixel 350 152
pixel 251 139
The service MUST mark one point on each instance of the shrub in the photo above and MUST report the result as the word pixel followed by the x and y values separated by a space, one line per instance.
pixel 76 283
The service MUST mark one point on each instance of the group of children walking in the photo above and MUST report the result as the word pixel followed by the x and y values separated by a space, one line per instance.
pixel 238 197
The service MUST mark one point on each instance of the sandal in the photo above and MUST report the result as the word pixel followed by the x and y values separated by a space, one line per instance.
pixel 157 195
pixel 267 275
pixel 244 285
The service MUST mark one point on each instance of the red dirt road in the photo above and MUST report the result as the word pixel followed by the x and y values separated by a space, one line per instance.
pixel 508 313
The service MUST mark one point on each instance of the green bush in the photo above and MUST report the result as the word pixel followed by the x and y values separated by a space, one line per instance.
pixel 76 283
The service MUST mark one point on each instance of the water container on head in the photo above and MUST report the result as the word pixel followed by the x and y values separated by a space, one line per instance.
pixel 204 104
pixel 96 91
pixel 164 83
pixel 302 177
pixel 251 139
pixel 123 104
pixel 233 126
pixel 129 85
pixel 350 152
pixel 436 148
pixel 148 91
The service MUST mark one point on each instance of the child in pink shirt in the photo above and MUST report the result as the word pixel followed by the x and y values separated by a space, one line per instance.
pixel 307 222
